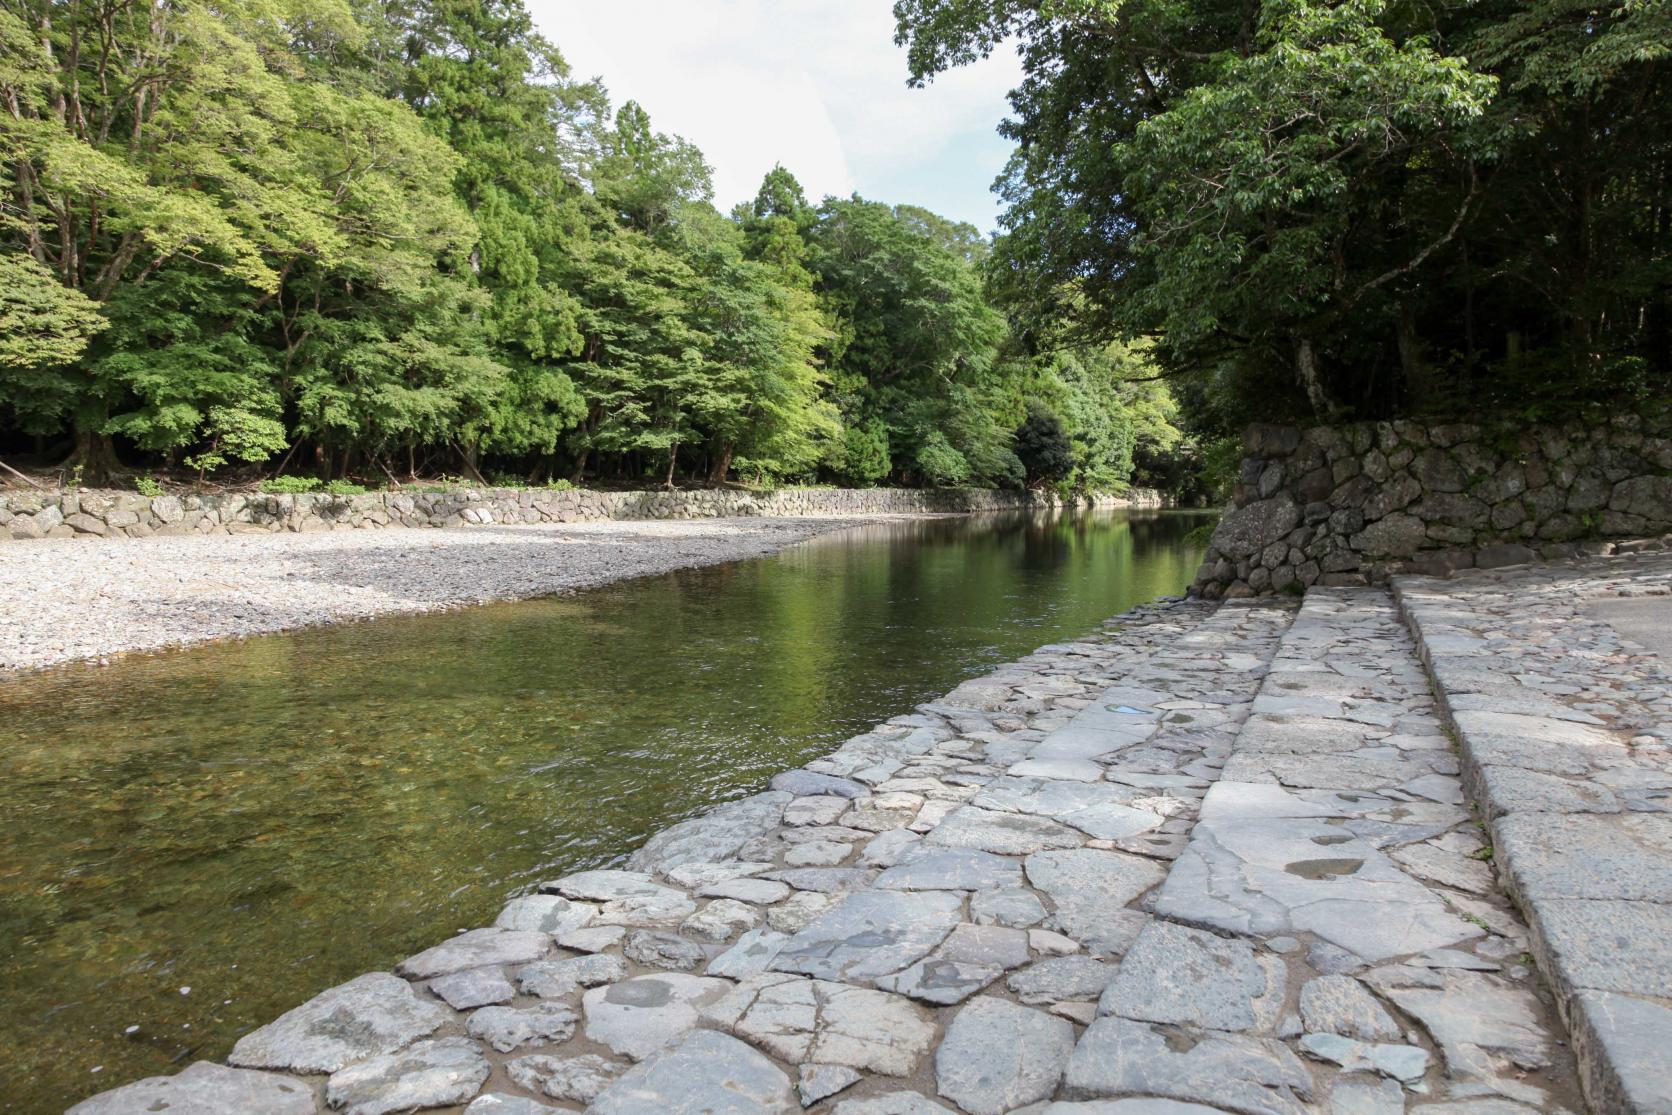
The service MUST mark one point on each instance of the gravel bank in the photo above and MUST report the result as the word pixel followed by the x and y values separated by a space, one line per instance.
pixel 69 599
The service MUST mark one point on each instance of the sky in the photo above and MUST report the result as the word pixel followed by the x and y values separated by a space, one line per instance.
pixel 817 85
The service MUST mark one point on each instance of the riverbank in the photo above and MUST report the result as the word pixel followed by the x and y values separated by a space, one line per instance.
pixel 66 599
pixel 102 513
pixel 261 818
pixel 1002 899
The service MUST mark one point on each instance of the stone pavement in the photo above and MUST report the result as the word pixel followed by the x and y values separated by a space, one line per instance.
pixel 1135 874
pixel 1565 731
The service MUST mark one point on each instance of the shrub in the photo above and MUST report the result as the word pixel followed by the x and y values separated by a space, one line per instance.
pixel 290 485
pixel 148 487
pixel 941 464
pixel 345 488
pixel 1043 446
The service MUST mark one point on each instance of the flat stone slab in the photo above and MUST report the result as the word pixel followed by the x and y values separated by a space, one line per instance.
pixel 475 987
pixel 994 945
pixel 370 1015
pixel 1192 977
pixel 1338 1004
pixel 1630 1039
pixel 478 948
pixel 705 1074
pixel 750 956
pixel 804 1020
pixel 760 892
pixel 1011 834
pixel 639 1016
pixel 951 869
pixel 554 979
pixel 495 1104
pixel 869 934
pixel 205 1088
pixel 1472 1017
pixel 1091 890
pixel 505 1028
pixel 1618 856
pixel 1060 978
pixel 940 981
pixel 577 1079
pixel 1048 798
pixel 434 1073
pixel 997 1056
pixel 607 884
pixel 1232 1072
pixel 1268 877
pixel 546 913
pixel 716 835
pixel 1609 946
pixel 807 783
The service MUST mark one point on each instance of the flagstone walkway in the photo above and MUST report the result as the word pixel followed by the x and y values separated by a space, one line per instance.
pixel 1215 858
pixel 1565 729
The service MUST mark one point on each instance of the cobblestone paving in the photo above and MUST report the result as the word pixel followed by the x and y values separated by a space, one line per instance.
pixel 1565 729
pixel 1135 874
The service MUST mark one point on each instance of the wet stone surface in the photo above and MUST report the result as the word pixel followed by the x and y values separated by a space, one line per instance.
pixel 1045 891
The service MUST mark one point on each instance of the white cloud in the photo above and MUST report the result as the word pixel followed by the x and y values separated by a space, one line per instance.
pixel 814 84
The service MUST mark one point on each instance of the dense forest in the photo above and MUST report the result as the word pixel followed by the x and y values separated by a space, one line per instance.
pixel 385 239
pixel 1326 209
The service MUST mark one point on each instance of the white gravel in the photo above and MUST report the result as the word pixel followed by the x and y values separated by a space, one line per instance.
pixel 66 599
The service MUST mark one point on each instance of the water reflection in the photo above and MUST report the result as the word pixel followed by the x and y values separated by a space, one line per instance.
pixel 261 819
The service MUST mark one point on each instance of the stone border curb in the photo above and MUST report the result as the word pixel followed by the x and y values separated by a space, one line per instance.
pixel 1563 850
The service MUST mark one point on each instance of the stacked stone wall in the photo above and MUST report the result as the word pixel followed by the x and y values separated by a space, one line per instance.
pixel 1355 505
pixel 91 513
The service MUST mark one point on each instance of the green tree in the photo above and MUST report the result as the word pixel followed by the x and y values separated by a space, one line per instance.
pixel 1322 208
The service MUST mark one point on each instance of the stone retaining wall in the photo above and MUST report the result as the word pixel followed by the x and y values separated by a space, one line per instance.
pixel 1355 505
pixel 100 513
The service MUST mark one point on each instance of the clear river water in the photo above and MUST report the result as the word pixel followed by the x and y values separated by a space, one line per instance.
pixel 195 841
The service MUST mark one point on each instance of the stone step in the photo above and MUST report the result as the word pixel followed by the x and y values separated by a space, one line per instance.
pixel 1564 729
pixel 1335 857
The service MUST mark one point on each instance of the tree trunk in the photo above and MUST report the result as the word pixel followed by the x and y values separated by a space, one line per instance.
pixel 94 455
pixel 1306 368
pixel 579 472
pixel 721 465
pixel 673 458
pixel 468 454
pixel 1418 384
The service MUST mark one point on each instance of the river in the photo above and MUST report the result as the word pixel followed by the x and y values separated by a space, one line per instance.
pixel 194 841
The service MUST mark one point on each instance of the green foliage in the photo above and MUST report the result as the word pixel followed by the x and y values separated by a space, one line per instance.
pixel 290 485
pixel 344 488
pixel 236 434
pixel 404 238
pixel 1328 207
pixel 148 486
pixel 939 463
pixel 1043 446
